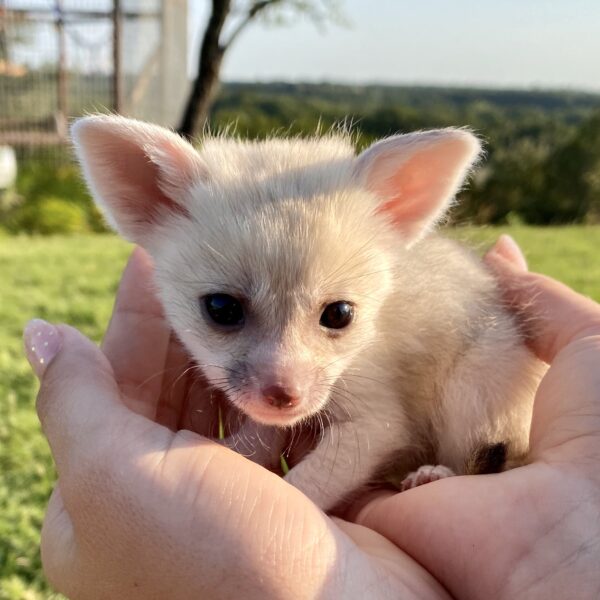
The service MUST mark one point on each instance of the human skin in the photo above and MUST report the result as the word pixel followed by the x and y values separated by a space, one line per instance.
pixel 144 510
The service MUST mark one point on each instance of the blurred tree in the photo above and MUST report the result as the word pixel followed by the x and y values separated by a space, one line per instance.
pixel 226 14
pixel 506 185
pixel 571 177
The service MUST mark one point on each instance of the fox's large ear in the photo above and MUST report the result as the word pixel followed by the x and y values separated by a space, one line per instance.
pixel 417 175
pixel 139 174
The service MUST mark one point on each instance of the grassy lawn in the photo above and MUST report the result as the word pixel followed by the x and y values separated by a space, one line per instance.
pixel 570 254
pixel 74 280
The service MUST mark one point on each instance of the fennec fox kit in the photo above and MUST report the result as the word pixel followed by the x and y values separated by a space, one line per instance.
pixel 304 280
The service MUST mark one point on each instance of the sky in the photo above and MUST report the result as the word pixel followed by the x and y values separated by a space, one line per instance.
pixel 501 43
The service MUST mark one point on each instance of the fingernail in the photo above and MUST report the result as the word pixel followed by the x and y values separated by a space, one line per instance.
pixel 42 343
pixel 507 248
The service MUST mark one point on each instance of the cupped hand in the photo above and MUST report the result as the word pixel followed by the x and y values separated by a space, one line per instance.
pixel 532 532
pixel 145 509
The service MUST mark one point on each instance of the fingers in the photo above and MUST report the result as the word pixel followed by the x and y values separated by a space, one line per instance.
pixel 137 340
pixel 178 372
pixel 563 329
pixel 58 544
pixel 179 500
pixel 365 503
pixel 554 315
pixel 507 249
pixel 79 398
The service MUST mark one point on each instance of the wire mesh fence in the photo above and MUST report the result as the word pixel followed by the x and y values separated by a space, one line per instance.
pixel 63 58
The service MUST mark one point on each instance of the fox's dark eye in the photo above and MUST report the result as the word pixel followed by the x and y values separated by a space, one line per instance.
pixel 337 315
pixel 224 309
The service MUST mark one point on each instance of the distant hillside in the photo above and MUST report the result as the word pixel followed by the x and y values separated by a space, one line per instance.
pixel 358 97
pixel 377 110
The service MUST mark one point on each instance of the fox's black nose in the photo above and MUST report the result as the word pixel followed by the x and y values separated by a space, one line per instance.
pixel 276 396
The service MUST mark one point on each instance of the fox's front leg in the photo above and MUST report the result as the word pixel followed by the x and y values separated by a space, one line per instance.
pixel 346 459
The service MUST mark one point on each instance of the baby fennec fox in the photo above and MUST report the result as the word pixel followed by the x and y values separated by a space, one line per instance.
pixel 304 281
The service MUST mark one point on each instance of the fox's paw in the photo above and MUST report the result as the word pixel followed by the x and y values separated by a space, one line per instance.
pixel 425 474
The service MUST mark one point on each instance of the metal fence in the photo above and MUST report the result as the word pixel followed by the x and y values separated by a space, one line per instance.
pixel 63 58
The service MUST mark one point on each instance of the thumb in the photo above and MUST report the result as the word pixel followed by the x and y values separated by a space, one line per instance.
pixel 506 250
pixel 78 392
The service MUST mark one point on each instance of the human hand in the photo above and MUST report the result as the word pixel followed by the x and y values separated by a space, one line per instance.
pixel 532 532
pixel 146 509
pixel 148 512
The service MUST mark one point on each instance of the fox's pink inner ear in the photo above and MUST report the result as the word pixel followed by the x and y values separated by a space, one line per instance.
pixel 139 174
pixel 417 175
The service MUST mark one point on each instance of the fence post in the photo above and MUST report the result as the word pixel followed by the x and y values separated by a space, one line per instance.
pixel 117 18
pixel 63 85
pixel 173 48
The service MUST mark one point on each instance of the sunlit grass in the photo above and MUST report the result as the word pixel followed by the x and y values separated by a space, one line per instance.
pixel 569 254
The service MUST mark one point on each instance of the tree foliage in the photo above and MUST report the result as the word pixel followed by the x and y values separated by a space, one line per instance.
pixel 542 163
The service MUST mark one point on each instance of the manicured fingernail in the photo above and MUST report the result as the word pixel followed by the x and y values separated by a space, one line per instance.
pixel 42 343
pixel 508 249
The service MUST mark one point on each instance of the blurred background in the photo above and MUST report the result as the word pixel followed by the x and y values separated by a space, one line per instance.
pixel 523 74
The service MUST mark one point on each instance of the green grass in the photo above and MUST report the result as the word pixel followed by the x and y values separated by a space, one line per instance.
pixel 70 280
pixel 74 280
pixel 569 254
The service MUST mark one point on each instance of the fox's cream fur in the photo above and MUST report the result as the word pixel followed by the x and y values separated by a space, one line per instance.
pixel 431 367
